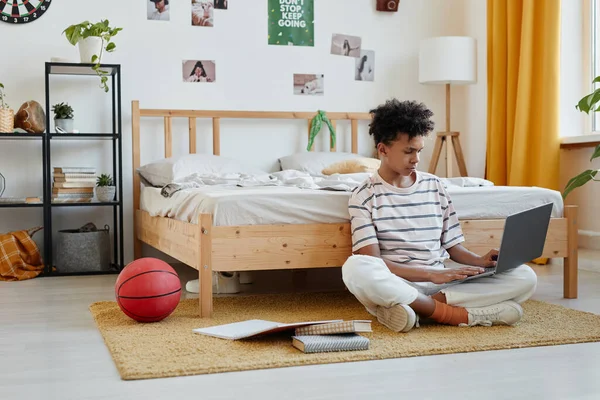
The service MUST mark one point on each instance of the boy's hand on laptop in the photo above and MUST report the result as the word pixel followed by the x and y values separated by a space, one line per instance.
pixel 489 260
pixel 453 274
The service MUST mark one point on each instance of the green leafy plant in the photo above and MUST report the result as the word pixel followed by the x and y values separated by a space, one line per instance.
pixel 104 180
pixel 2 97
pixel 587 104
pixel 102 29
pixel 62 111
pixel 315 128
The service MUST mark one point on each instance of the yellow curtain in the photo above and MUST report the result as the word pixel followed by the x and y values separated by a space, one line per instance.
pixel 523 64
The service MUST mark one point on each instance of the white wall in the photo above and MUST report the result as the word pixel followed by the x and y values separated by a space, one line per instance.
pixel 250 76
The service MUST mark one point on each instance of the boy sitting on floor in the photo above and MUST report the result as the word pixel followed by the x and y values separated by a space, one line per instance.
pixel 406 240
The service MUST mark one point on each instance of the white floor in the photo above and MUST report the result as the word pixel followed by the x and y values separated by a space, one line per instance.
pixel 50 349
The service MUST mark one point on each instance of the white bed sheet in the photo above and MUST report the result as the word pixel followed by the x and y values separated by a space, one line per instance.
pixel 290 205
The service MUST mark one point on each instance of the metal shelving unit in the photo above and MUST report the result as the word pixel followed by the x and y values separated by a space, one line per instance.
pixel 11 137
pixel 115 136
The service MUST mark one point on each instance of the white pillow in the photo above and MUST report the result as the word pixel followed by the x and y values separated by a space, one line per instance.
pixel 167 170
pixel 313 162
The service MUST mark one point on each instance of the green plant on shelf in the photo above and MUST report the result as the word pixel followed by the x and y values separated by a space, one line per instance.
pixel 104 180
pixel 62 111
pixel 589 103
pixel 78 32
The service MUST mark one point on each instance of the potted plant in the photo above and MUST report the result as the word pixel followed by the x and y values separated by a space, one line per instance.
pixel 7 115
pixel 63 117
pixel 92 40
pixel 586 104
pixel 105 188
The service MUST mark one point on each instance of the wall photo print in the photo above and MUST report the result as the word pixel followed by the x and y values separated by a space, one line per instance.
pixel 221 4
pixel 345 45
pixel 365 66
pixel 199 71
pixel 291 23
pixel 203 13
pixel 309 84
pixel 158 10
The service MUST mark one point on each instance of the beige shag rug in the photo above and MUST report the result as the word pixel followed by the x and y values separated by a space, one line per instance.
pixel 169 348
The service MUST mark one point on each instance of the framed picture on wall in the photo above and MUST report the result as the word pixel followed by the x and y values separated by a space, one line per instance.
pixel 158 10
pixel 309 84
pixel 345 45
pixel 203 13
pixel 365 66
pixel 291 23
pixel 199 71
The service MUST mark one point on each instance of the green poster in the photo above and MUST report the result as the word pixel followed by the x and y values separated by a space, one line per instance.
pixel 291 22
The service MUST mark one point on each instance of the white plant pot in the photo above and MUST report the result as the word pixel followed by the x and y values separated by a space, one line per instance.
pixel 89 47
pixel 105 193
pixel 65 124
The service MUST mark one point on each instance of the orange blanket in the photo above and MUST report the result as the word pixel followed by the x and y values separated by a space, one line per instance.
pixel 20 257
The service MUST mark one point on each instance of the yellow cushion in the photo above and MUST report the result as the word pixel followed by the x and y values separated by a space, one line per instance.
pixel 352 166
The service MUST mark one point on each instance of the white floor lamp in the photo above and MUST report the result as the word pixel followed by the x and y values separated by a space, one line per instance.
pixel 448 60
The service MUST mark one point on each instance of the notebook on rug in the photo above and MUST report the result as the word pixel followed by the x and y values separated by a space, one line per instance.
pixel 328 343
pixel 363 325
pixel 252 327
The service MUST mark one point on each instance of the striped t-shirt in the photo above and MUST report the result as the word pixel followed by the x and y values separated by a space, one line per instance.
pixel 412 226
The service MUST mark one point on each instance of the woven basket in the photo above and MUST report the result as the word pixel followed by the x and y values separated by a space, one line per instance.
pixel 7 120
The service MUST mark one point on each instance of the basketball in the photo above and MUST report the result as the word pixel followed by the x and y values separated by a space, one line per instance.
pixel 148 290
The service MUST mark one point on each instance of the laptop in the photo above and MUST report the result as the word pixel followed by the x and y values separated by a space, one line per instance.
pixel 522 241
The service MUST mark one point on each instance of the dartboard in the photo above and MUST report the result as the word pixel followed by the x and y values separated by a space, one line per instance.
pixel 22 11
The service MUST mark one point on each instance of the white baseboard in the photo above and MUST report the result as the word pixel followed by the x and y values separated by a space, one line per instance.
pixel 589 239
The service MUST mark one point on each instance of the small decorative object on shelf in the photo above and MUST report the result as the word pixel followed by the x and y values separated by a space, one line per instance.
pixel 105 188
pixel 31 117
pixel 63 118
pixel 7 115
pixel 73 184
pixel 92 40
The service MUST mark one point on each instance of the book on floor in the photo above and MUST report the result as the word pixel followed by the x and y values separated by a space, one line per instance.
pixel 251 328
pixel 329 343
pixel 353 326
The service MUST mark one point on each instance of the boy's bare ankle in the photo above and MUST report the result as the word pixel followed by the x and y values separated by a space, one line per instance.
pixel 441 297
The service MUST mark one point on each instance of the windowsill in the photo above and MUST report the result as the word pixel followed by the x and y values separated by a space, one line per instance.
pixel 574 142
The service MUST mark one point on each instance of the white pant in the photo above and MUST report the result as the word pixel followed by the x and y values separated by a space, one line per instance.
pixel 373 284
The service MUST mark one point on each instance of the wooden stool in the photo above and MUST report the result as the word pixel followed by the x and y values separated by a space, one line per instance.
pixel 442 137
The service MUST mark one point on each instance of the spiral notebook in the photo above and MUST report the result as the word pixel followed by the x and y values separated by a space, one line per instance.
pixel 329 343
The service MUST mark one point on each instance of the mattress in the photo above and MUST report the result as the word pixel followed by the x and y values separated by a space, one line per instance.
pixel 289 205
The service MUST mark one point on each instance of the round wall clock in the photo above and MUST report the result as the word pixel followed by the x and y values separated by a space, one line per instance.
pixel 22 11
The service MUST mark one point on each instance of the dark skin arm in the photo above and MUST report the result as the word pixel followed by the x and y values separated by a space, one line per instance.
pixel 425 274
pixel 463 256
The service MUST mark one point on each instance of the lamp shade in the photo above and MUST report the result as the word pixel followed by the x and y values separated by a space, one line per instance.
pixel 448 59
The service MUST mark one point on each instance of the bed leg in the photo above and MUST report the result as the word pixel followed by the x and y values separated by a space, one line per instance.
pixel 571 262
pixel 205 297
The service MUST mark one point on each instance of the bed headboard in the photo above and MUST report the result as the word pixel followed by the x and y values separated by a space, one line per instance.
pixel 192 115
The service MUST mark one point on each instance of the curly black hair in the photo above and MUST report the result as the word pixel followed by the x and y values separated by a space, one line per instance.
pixel 395 117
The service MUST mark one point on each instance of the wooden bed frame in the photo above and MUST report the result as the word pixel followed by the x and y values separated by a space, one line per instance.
pixel 209 248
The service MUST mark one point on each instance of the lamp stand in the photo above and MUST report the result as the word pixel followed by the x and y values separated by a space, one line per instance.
pixel 452 141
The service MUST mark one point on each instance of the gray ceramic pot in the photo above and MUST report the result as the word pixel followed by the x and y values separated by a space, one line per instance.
pixel 105 193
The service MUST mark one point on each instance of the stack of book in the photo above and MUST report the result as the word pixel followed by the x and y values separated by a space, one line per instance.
pixel 333 336
pixel 73 184
pixel 309 337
